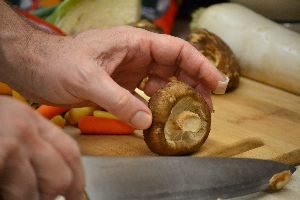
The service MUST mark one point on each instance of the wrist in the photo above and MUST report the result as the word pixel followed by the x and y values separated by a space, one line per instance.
pixel 13 51
pixel 15 35
pixel 27 58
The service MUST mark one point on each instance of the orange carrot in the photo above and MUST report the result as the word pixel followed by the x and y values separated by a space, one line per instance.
pixel 5 89
pixel 51 111
pixel 98 125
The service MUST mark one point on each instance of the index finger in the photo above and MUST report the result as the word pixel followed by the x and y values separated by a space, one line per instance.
pixel 171 51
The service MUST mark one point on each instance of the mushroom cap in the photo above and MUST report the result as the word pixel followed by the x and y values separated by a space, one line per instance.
pixel 181 120
pixel 147 25
pixel 219 53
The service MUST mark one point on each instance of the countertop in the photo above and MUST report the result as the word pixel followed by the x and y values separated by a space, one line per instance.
pixel 254 121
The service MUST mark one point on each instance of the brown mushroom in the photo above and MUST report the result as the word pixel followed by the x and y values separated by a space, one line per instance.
pixel 181 120
pixel 147 25
pixel 219 53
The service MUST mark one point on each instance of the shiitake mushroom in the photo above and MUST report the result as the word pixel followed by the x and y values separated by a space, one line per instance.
pixel 147 25
pixel 219 53
pixel 181 120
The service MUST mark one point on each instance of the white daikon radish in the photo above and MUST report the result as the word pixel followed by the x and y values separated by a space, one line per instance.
pixel 267 51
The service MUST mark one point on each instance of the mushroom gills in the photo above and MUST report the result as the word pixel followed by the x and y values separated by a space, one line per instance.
pixel 186 124
pixel 181 120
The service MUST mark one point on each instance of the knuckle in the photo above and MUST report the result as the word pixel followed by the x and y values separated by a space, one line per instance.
pixel 72 152
pixel 57 184
pixel 9 145
pixel 21 125
pixel 59 187
pixel 74 156
pixel 24 128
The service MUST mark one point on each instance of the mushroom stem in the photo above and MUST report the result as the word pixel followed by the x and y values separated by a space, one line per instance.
pixel 188 121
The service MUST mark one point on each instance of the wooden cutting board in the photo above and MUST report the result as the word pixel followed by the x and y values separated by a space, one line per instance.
pixel 254 121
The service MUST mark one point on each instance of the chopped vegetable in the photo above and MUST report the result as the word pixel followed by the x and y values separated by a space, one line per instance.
pixel 59 121
pixel 98 125
pixel 66 116
pixel 75 114
pixel 51 111
pixel 147 25
pixel 104 114
pixel 5 89
pixel 18 96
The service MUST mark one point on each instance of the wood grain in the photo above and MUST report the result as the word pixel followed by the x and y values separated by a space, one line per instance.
pixel 290 158
pixel 255 121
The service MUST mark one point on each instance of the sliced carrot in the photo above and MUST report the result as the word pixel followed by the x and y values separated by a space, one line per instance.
pixel 51 111
pixel 98 125
pixel 75 114
pixel 5 89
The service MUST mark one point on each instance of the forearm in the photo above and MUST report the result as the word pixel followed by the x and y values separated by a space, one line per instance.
pixel 15 35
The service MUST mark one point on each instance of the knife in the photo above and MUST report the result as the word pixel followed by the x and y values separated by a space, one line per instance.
pixel 186 178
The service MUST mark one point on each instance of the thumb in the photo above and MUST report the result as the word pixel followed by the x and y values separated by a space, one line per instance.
pixel 119 101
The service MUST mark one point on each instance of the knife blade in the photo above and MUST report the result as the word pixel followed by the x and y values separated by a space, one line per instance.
pixel 185 178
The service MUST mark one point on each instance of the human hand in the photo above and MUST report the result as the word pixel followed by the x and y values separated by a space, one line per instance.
pixel 104 67
pixel 37 160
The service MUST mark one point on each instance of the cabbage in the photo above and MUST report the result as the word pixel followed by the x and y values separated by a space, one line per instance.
pixel 61 10
pixel 75 16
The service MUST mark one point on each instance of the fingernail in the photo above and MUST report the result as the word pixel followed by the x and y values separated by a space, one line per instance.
pixel 222 86
pixel 141 120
